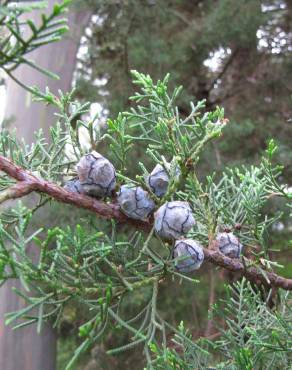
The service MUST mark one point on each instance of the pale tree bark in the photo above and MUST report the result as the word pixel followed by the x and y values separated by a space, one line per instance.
pixel 24 349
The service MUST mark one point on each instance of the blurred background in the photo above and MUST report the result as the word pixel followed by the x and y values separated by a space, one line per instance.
pixel 235 54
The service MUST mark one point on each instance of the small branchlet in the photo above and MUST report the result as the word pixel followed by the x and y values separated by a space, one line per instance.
pixel 162 205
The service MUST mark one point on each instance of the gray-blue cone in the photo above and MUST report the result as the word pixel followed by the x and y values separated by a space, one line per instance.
pixel 158 180
pixel 97 175
pixel 229 245
pixel 188 255
pixel 135 202
pixel 74 186
pixel 173 220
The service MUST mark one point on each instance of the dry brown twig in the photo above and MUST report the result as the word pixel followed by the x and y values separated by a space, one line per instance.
pixel 28 183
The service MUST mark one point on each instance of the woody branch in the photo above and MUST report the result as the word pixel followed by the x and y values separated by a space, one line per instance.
pixel 28 183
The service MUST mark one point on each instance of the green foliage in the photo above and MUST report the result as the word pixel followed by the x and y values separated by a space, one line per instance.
pixel 248 42
pixel 184 353
pixel 251 82
pixel 99 270
pixel 255 335
pixel 20 36
pixel 230 32
pixel 252 336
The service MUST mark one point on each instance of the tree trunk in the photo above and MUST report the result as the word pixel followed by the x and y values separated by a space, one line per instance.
pixel 24 348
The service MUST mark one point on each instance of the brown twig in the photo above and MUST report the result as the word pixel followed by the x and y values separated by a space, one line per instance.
pixel 28 183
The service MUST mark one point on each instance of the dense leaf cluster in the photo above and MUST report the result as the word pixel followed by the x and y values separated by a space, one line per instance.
pixel 114 277
pixel 97 268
